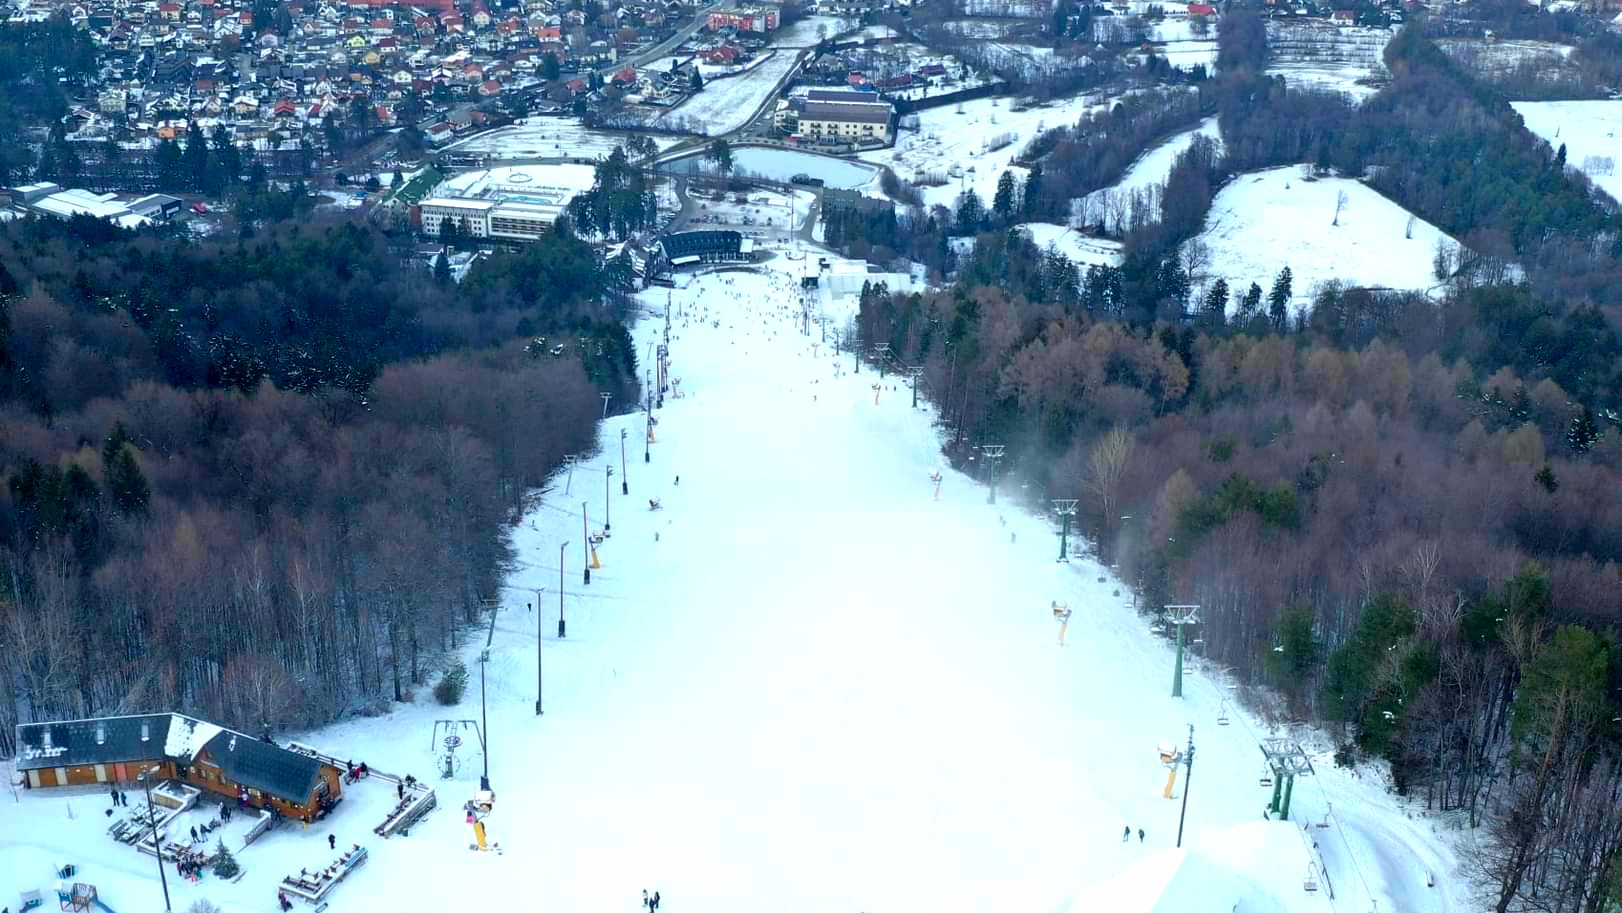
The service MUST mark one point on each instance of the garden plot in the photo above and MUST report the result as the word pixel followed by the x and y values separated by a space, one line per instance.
pixel 969 145
pixel 726 105
pixel 1589 131
pixel 1264 221
pixel 546 138
pixel 1322 56
pixel 1113 207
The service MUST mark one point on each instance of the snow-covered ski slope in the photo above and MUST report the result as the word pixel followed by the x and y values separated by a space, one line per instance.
pixel 805 686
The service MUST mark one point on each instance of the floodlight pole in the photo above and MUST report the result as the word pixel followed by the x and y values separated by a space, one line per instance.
pixel 625 475
pixel 608 476
pixel 647 437
pixel 1188 774
pixel 539 639
pixel 585 536
pixel 157 845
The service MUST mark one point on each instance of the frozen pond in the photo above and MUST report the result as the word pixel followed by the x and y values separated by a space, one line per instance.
pixel 784 164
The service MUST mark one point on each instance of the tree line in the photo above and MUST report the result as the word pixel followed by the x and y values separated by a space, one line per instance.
pixel 267 480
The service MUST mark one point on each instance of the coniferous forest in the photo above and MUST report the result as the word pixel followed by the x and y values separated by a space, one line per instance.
pixel 267 480
pixel 1399 514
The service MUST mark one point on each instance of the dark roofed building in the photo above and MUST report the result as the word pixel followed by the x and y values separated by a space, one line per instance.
pixel 690 247
pixel 110 742
pixel 846 122
pixel 223 761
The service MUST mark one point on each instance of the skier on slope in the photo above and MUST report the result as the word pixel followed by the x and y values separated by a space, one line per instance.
pixel 1126 833
pixel 1140 835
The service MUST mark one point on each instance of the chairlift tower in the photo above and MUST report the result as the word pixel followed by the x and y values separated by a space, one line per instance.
pixel 1065 508
pixel 1181 615
pixel 993 454
pixel 913 373
pixel 1286 760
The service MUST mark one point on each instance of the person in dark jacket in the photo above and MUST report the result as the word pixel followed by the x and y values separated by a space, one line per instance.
pixel 1126 833
pixel 1140 835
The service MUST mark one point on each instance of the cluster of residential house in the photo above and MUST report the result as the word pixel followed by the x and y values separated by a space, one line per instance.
pixel 424 63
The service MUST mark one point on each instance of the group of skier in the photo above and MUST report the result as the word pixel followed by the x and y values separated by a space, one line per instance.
pixel 650 903
pixel 1126 834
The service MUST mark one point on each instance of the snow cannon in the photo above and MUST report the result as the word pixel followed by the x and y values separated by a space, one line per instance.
pixel 1169 756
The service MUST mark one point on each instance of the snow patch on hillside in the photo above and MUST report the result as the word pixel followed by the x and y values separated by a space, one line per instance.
pixel 1264 221
pixel 1588 129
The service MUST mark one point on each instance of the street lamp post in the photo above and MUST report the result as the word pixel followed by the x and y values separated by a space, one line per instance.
pixel 484 717
pixel 537 644
pixel 1188 774
pixel 608 476
pixel 625 475
pixel 152 820
pixel 647 437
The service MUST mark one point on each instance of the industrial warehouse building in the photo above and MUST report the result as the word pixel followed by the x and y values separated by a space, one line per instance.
pixel 232 764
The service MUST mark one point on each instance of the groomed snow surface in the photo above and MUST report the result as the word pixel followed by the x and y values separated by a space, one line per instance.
pixel 804 685
pixel 1266 220
pixel 1082 250
pixel 1589 130
pixel 784 164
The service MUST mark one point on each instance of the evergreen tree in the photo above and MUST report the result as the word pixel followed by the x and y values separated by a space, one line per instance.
pixel 1249 305
pixel 1215 308
pixel 442 269
pixel 1031 199
pixel 695 83
pixel 227 158
pixel 1003 203
pixel 194 159
pixel 1278 300
pixel 225 864
pixel 1584 431
pixel 970 213
pixel 396 179
pixel 550 68
pixel 1545 477
pixel 169 168
pixel 720 152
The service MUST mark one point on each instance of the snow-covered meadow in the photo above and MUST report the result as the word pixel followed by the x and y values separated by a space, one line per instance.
pixel 727 104
pixel 984 135
pixel 1264 221
pixel 1318 55
pixel 1084 251
pixel 1589 131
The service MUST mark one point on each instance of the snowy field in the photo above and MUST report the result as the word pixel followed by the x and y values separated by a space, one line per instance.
pixel 547 137
pixel 1187 55
pixel 535 183
pixel 806 685
pixel 962 137
pixel 1264 221
pixel 1082 250
pixel 726 105
pixel 1589 130
pixel 764 209
pixel 809 31
pixel 1108 207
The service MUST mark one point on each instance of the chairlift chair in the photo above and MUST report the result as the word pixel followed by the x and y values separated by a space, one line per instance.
pixel 1267 777
pixel 1222 715
pixel 1310 883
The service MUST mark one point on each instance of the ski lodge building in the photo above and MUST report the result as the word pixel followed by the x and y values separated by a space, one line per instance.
pixel 225 762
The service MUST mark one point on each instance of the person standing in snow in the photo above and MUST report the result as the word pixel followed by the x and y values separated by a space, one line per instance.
pixel 332 841
pixel 194 834
pixel 655 905
pixel 1140 835
pixel 646 901
pixel 1126 833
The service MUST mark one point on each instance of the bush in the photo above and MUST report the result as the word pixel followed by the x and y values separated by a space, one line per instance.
pixel 452 684
pixel 225 864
